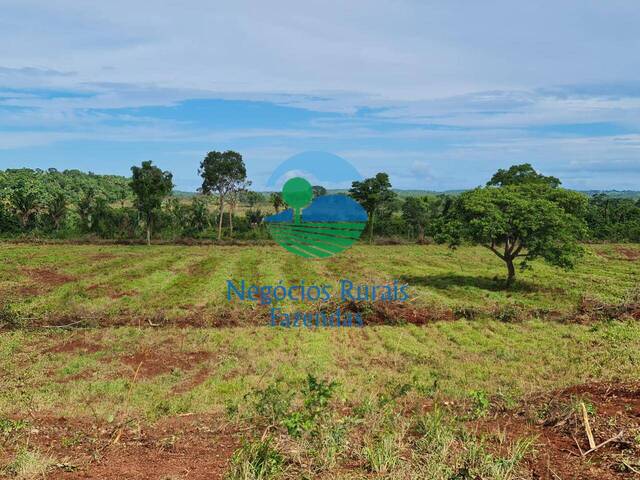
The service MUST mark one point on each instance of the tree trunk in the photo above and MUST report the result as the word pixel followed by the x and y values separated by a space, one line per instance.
pixel 149 233
pixel 231 209
pixel 420 234
pixel 221 214
pixel 512 271
pixel 371 228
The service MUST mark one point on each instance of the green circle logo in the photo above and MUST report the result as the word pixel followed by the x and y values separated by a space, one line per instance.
pixel 316 227
pixel 297 193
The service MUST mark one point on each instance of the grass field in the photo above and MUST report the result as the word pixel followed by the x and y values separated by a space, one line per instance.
pixel 127 283
pixel 157 375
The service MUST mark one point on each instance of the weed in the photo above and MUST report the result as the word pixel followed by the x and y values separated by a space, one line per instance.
pixel 382 452
pixel 10 429
pixel 29 465
pixel 256 461
pixel 10 318
pixel 480 403
pixel 272 404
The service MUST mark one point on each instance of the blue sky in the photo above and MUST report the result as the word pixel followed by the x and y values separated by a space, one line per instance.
pixel 438 94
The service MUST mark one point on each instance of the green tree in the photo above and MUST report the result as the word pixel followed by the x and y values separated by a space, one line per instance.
pixel 234 198
pixel 252 198
pixel 56 208
pixel 520 175
pixel 421 212
pixel 523 222
pixel 25 199
pixel 276 201
pixel 372 193
pixel 150 186
pixel 222 173
pixel 85 208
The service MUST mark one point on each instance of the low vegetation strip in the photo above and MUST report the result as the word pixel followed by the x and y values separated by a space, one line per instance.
pixel 103 285
pixel 412 402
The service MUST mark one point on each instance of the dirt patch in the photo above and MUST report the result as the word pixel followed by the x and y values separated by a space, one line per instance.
pixel 48 277
pixel 188 447
pixel 120 294
pixel 189 384
pixel 628 253
pixel 152 363
pixel 619 252
pixel 555 421
pixel 102 256
pixel 28 291
pixel 393 313
pixel 591 309
pixel 75 345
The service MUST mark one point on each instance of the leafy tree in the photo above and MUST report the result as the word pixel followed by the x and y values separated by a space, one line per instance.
pixel 234 198
pixel 319 191
pixel 615 219
pixel 420 211
pixel 25 200
pixel 522 174
pixel 520 222
pixel 254 217
pixel 252 198
pixel 198 214
pixel 85 208
pixel 372 193
pixel 56 208
pixel 277 201
pixel 222 173
pixel 150 186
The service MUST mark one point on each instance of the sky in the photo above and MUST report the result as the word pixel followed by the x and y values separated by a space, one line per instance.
pixel 439 94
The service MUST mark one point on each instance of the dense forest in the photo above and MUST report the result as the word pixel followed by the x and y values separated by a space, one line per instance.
pixel 72 204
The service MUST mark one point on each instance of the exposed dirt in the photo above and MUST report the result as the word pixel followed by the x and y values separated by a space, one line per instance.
pixel 620 253
pixel 48 277
pixel 200 446
pixel 102 256
pixel 190 383
pixel 187 447
pixel 154 362
pixel 628 253
pixel 75 345
pixel 393 313
pixel 555 420
pixel 592 309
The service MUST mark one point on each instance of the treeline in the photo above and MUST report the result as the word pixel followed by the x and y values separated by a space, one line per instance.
pixel 71 204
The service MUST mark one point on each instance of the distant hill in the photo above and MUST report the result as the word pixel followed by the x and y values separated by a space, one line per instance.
pixel 614 193
pixel 115 187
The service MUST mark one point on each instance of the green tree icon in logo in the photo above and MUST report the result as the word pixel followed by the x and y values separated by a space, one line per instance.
pixel 298 193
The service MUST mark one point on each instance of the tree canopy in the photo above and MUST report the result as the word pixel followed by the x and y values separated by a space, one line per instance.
pixel 372 193
pixel 525 222
pixel 222 173
pixel 150 186
pixel 520 175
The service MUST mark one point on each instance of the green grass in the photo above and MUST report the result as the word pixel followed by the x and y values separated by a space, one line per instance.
pixel 177 281
pixel 447 359
pixel 475 362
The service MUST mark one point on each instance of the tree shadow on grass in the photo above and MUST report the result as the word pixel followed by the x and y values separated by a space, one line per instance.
pixel 449 281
